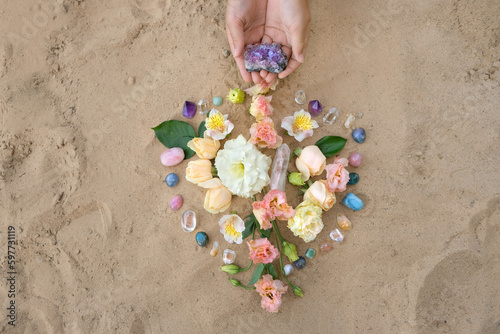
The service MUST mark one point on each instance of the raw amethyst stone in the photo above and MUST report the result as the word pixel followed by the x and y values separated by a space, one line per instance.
pixel 265 56
pixel 189 110
pixel 315 108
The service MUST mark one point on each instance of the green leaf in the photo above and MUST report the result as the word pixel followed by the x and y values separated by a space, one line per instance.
pixel 257 274
pixel 176 134
pixel 330 145
pixel 265 233
pixel 201 130
pixel 250 224
pixel 271 270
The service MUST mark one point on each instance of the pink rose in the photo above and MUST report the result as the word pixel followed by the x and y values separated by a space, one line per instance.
pixel 273 206
pixel 336 175
pixel 263 134
pixel 270 291
pixel 261 107
pixel 261 251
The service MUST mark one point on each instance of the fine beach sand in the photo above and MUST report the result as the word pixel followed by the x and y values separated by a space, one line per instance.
pixel 99 250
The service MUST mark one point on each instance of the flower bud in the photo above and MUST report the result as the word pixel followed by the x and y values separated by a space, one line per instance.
pixel 295 179
pixel 298 291
pixel 290 251
pixel 234 282
pixel 230 268
pixel 205 148
pixel 236 95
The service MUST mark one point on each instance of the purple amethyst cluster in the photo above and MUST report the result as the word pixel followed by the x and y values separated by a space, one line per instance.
pixel 265 56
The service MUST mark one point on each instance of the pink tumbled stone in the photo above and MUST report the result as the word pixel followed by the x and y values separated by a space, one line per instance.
pixel 355 159
pixel 172 156
pixel 176 202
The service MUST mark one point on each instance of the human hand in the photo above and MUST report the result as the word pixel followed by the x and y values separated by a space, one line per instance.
pixel 245 23
pixel 288 23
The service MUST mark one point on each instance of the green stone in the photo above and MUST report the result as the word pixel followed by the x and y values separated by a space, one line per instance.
pixel 217 100
pixel 310 253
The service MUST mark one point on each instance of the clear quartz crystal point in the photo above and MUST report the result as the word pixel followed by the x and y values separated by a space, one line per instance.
pixel 188 221
pixel 300 97
pixel 203 106
pixel 331 116
pixel 228 256
pixel 279 168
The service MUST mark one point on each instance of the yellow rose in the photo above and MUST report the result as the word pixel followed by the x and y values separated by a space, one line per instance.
pixel 205 148
pixel 217 199
pixel 307 222
pixel 199 171
pixel 311 162
pixel 319 194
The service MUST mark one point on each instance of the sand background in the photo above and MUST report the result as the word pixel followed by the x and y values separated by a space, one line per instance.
pixel 101 252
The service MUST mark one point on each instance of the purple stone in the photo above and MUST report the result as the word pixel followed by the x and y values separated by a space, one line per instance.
pixel 265 56
pixel 189 109
pixel 315 108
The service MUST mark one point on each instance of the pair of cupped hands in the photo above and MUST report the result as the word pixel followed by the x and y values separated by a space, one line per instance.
pixel 286 22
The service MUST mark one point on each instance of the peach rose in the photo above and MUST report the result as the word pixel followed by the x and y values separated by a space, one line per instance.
pixel 311 162
pixel 261 251
pixel 319 194
pixel 199 171
pixel 336 175
pixel 217 199
pixel 273 206
pixel 205 148
pixel 263 134
pixel 270 290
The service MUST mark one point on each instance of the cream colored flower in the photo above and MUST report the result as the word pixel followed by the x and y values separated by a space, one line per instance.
pixel 242 168
pixel 232 226
pixel 310 162
pixel 205 148
pixel 199 171
pixel 307 222
pixel 218 126
pixel 300 125
pixel 217 198
pixel 319 194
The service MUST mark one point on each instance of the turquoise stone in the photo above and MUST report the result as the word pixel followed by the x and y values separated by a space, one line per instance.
pixel 217 100
pixel 353 202
pixel 353 178
pixel 201 239
pixel 310 253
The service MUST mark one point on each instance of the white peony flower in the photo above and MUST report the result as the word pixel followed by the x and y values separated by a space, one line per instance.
pixel 242 168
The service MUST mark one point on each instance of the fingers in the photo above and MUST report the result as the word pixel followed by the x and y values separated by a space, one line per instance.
pixel 236 46
pixel 256 77
pixel 293 64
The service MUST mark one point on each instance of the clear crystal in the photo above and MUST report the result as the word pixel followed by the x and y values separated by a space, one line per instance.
pixel 360 115
pixel 203 106
pixel 331 116
pixel 280 168
pixel 300 97
pixel 348 122
pixel 288 268
pixel 336 235
pixel 344 222
pixel 188 221
pixel 228 256
pixel 215 249
pixel 326 246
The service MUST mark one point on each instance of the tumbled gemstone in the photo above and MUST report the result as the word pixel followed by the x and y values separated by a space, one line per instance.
pixel 359 135
pixel 288 268
pixel 349 120
pixel 300 263
pixel 310 252
pixel 217 101
pixel 265 56
pixel 215 249
pixel 344 222
pixel 326 246
pixel 176 202
pixel 355 159
pixel 353 178
pixel 331 116
pixel 172 179
pixel 315 108
pixel 189 109
pixel 336 235
pixel 188 221
pixel 172 156
pixel 228 256
pixel 353 202
pixel 202 239
pixel 203 105
pixel 300 97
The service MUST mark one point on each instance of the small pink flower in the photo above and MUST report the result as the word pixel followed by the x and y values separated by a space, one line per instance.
pixel 270 291
pixel 336 175
pixel 261 251
pixel 261 107
pixel 263 134
pixel 273 206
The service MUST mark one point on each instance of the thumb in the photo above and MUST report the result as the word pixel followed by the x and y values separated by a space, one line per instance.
pixel 235 33
pixel 299 44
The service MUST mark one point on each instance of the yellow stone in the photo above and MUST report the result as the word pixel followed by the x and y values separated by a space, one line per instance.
pixel 344 222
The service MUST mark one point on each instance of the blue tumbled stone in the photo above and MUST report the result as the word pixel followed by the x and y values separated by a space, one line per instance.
pixel 201 239
pixel 300 263
pixel 172 179
pixel 353 202
pixel 359 135
pixel 217 100
pixel 353 178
